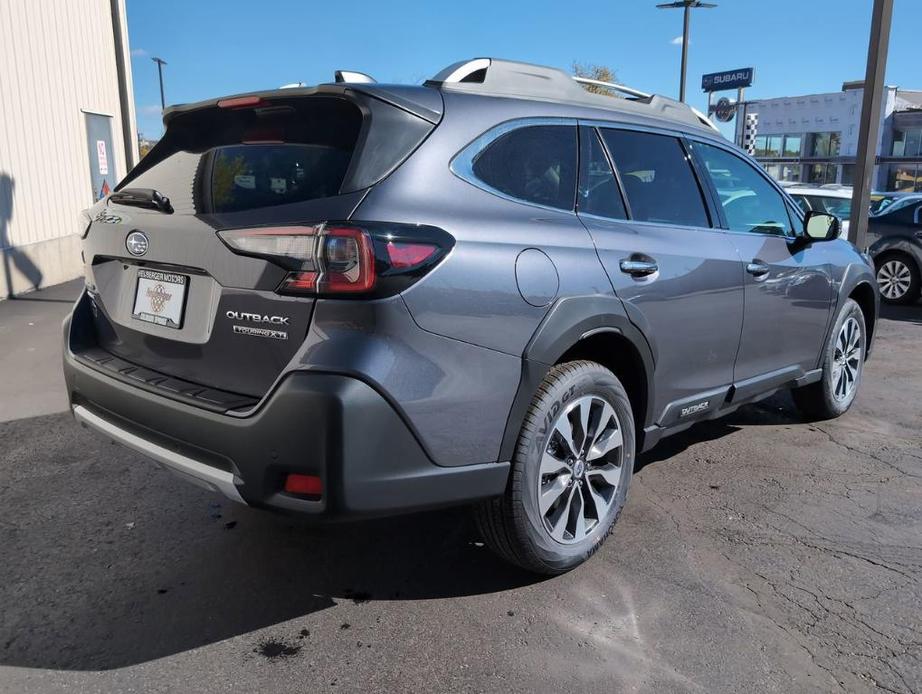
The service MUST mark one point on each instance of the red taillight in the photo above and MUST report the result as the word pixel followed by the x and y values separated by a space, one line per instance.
pixel 341 259
pixel 303 485
pixel 406 255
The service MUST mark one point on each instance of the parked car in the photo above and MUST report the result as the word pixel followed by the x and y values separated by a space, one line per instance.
pixel 493 289
pixel 895 244
pixel 835 200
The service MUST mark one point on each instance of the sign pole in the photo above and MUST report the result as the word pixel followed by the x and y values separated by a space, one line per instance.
pixel 740 114
pixel 869 128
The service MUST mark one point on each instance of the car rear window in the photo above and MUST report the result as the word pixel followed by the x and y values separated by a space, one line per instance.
pixel 225 160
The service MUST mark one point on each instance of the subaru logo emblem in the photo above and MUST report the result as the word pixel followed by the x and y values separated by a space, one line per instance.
pixel 137 243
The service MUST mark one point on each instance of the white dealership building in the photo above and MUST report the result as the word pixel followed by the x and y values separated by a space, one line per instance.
pixel 67 132
pixel 814 137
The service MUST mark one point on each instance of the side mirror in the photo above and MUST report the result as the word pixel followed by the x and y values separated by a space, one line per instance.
pixel 821 226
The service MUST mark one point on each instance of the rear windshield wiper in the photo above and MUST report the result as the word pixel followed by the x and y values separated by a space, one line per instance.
pixel 147 198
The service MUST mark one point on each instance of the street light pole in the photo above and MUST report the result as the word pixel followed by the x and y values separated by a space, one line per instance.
pixel 686 24
pixel 687 6
pixel 869 128
pixel 160 63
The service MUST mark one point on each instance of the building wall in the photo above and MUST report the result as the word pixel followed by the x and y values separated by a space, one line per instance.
pixel 57 62
pixel 815 113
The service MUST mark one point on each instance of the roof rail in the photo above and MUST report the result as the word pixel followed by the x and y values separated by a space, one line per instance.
pixel 509 78
pixel 353 76
pixel 614 87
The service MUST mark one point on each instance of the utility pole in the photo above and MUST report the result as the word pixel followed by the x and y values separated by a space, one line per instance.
pixel 160 63
pixel 869 128
pixel 688 6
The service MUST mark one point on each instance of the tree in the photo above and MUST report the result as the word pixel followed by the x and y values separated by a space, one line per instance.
pixel 602 73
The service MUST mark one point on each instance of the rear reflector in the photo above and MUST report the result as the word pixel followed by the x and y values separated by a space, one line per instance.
pixel 305 485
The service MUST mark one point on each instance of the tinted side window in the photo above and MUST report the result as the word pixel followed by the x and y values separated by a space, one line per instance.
pixel 535 164
pixel 598 191
pixel 658 180
pixel 749 201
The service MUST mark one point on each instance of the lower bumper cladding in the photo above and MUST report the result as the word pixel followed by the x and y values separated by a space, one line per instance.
pixel 194 471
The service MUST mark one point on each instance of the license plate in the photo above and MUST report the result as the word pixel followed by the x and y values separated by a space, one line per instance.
pixel 160 298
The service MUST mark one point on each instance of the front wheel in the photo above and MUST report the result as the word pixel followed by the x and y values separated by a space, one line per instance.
pixel 570 473
pixel 843 364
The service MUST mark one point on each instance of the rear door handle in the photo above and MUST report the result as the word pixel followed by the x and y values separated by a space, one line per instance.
pixel 639 268
pixel 757 268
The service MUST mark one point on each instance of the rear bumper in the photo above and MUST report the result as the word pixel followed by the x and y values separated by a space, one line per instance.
pixel 329 425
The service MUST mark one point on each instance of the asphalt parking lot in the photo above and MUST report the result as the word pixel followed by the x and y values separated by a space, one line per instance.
pixel 756 553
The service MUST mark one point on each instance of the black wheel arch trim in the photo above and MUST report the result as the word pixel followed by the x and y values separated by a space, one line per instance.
pixel 855 275
pixel 570 320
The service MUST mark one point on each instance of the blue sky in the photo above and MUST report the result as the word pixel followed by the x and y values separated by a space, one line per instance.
pixel 221 47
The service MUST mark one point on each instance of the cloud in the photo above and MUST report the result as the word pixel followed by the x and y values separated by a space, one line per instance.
pixel 677 41
pixel 153 110
pixel 138 53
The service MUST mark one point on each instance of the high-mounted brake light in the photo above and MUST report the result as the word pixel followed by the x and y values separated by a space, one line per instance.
pixel 344 259
pixel 240 102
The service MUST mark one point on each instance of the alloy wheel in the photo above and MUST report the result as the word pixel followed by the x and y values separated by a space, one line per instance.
pixel 581 469
pixel 894 279
pixel 846 365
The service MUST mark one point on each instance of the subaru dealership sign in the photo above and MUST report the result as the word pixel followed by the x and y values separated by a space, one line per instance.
pixel 731 79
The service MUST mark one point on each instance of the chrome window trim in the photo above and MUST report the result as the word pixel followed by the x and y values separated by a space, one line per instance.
pixel 462 164
pixel 667 225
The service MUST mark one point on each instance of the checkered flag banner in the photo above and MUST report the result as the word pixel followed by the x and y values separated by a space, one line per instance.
pixel 749 133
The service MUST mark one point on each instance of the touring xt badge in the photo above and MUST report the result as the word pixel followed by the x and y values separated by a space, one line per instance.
pixel 261 319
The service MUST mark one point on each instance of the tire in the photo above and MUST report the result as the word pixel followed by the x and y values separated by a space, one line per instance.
pixel 554 540
pixel 898 278
pixel 843 356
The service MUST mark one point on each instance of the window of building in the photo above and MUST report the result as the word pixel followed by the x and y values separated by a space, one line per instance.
pixel 536 164
pixel 773 145
pixel 760 145
pixel 823 145
pixel 792 145
pixel 904 178
pixel 749 201
pixel 907 142
pixel 821 174
pixel 790 172
pixel 657 178
pixel 598 191
pixel 773 170
pixel 848 174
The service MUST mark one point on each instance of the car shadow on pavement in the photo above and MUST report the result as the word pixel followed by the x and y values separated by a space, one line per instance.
pixel 778 409
pixel 907 314
pixel 108 562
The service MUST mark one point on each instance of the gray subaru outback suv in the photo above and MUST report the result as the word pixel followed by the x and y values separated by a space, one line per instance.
pixel 495 288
